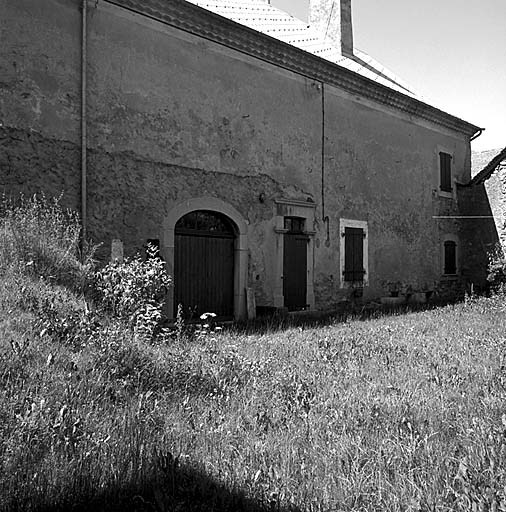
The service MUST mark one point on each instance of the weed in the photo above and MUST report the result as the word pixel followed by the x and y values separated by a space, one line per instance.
pixel 497 269
pixel 134 291
pixel 41 238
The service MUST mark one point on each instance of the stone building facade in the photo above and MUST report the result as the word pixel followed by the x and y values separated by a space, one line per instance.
pixel 492 180
pixel 295 178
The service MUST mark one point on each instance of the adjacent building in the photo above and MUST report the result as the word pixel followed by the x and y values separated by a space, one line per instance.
pixel 493 178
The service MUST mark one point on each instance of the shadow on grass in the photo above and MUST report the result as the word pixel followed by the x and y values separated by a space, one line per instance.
pixel 276 322
pixel 170 486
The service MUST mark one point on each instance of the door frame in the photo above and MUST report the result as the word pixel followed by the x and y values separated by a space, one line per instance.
pixel 240 247
pixel 305 210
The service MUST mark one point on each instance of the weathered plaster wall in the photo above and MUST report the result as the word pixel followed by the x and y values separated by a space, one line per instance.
pixel 31 163
pixel 383 168
pixel 175 98
pixel 40 67
pixel 173 116
pixel 40 98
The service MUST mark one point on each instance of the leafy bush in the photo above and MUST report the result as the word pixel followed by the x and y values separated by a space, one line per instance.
pixel 40 238
pixel 497 268
pixel 134 291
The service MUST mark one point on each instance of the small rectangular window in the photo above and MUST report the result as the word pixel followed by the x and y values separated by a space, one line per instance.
pixel 445 170
pixel 295 224
pixel 353 254
pixel 450 257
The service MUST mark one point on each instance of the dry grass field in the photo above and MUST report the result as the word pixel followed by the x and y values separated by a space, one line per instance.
pixel 401 412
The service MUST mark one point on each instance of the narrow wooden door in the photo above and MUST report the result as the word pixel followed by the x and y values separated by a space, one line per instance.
pixel 295 270
pixel 204 265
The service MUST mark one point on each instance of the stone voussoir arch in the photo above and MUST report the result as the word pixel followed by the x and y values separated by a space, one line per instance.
pixel 240 250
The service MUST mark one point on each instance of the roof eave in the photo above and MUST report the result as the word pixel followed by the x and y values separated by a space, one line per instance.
pixel 201 22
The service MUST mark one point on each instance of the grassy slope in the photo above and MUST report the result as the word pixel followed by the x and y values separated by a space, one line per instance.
pixel 394 413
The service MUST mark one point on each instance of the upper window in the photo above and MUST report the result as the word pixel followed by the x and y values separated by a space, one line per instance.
pixel 354 248
pixel 445 172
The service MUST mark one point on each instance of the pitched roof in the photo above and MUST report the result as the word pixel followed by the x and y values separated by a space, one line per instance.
pixel 263 17
pixel 498 161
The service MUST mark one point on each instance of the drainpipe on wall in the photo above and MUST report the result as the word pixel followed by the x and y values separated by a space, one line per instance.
pixel 325 218
pixel 83 123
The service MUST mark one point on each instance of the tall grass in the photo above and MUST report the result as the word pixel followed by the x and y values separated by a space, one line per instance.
pixel 394 413
pixel 41 238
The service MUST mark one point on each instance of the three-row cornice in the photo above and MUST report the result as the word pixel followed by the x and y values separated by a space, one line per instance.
pixel 198 21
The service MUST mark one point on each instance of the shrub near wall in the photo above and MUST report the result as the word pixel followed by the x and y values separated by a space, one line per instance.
pixel 133 291
pixel 497 269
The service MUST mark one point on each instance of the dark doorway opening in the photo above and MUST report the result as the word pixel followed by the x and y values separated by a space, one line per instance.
pixel 204 265
pixel 295 264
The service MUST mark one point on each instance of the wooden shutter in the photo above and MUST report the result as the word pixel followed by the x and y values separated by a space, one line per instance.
pixel 354 254
pixel 450 254
pixel 445 169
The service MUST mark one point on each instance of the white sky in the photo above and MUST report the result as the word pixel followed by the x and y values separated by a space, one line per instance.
pixel 452 51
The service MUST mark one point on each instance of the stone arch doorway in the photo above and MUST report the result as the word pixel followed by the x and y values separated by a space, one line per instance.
pixel 204 264
pixel 204 244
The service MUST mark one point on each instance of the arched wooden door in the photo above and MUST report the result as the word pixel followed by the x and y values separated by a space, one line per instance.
pixel 204 264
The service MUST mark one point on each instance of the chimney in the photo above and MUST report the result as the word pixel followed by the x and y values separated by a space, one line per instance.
pixel 333 19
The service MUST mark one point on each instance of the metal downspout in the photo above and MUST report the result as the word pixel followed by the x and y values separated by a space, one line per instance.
pixel 84 43
pixel 325 218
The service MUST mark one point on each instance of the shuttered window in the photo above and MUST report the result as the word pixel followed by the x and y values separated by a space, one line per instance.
pixel 445 170
pixel 450 257
pixel 353 254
